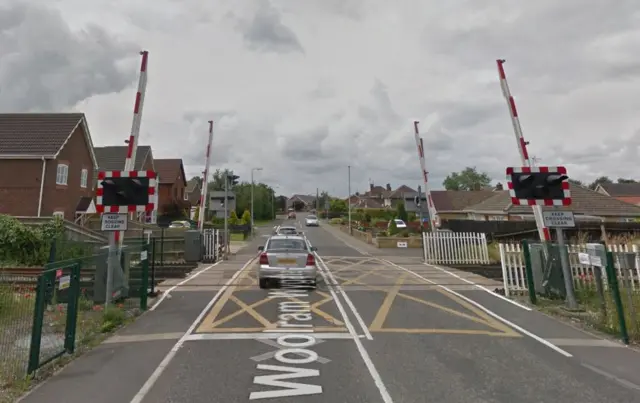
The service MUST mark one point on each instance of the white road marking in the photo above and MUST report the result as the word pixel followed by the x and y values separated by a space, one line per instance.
pixel 144 390
pixel 487 310
pixel 377 379
pixel 271 354
pixel 606 374
pixel 502 297
pixel 166 293
pixel 260 336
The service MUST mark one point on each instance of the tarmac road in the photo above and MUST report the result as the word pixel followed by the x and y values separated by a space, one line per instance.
pixel 385 329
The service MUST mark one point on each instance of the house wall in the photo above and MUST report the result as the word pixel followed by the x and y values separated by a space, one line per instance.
pixel 20 187
pixel 65 198
pixel 170 193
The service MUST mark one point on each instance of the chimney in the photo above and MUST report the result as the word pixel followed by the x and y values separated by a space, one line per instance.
pixel 499 186
pixel 388 187
pixel 371 186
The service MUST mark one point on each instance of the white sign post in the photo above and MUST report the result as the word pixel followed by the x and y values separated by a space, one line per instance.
pixel 115 222
pixel 558 219
pixel 563 219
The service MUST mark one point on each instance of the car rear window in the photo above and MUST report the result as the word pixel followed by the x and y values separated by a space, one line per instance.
pixel 312 217
pixel 290 244
pixel 288 231
pixel 399 222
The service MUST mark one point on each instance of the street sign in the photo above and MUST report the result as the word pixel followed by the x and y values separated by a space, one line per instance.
pixel 558 219
pixel 114 221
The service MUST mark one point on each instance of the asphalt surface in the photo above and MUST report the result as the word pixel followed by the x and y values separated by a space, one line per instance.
pixel 385 329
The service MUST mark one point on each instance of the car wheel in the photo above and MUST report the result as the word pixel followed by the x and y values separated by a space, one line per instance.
pixel 263 283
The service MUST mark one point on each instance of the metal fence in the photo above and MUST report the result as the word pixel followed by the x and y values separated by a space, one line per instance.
pixel 607 296
pixel 49 312
pixel 446 247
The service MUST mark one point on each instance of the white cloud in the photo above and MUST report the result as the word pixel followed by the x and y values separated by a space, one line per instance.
pixel 304 89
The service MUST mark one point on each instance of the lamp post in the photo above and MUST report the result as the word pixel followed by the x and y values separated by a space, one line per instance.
pixel 252 170
pixel 273 201
pixel 349 198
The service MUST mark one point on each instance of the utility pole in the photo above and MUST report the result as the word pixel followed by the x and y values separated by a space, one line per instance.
pixel 252 170
pixel 317 200
pixel 349 198
pixel 226 214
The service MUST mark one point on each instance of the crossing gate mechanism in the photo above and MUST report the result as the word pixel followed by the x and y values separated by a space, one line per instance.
pixel 212 245
pixel 447 247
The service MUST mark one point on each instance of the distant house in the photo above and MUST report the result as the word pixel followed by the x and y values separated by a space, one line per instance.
pixel 193 191
pixel 171 195
pixel 626 192
pixel 47 161
pixel 586 204
pixel 112 158
pixel 216 203
pixel 307 201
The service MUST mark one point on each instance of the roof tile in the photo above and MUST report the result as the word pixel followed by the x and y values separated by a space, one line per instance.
pixel 167 169
pixel 40 134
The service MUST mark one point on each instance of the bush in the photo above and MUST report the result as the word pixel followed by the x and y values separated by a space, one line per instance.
pixel 233 218
pixel 246 218
pixel 393 228
pixel 335 221
pixel 28 245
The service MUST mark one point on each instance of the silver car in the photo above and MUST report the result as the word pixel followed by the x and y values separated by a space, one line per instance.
pixel 287 257
pixel 287 230
pixel 311 221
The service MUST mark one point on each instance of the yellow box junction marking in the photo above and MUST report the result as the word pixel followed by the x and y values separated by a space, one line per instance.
pixel 212 323
pixel 404 278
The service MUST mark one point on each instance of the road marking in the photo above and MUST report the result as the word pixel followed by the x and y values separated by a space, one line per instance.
pixel 495 294
pixel 271 354
pixel 375 375
pixel 133 338
pixel 262 336
pixel 166 293
pixel 621 381
pixel 352 307
pixel 488 311
pixel 146 387
pixel 480 316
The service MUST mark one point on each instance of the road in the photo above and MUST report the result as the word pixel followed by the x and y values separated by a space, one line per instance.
pixel 385 329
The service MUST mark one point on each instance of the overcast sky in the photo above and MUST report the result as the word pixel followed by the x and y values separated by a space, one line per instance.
pixel 305 88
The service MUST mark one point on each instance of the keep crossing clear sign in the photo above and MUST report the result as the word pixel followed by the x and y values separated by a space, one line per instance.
pixel 114 222
pixel 558 219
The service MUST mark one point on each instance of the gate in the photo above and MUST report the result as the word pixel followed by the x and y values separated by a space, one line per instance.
pixel 446 247
pixel 212 246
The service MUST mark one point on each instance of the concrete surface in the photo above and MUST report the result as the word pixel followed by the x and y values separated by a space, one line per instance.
pixel 386 329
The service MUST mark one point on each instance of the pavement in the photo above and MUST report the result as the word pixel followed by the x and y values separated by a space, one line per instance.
pixel 379 328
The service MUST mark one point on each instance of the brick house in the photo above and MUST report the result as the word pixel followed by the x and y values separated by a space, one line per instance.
pixel 173 183
pixel 193 191
pixel 46 160
pixel 111 158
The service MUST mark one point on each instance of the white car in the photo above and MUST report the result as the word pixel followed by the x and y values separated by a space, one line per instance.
pixel 399 223
pixel 311 221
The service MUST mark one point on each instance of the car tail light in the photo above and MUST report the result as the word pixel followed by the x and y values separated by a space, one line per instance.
pixel 263 258
pixel 311 260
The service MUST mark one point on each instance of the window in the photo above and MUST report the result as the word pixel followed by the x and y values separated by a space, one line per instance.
pixel 185 195
pixel 62 174
pixel 84 176
pixel 59 214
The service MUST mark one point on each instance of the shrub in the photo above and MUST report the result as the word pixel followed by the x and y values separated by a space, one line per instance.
pixel 233 218
pixel 335 221
pixel 30 245
pixel 246 218
pixel 393 228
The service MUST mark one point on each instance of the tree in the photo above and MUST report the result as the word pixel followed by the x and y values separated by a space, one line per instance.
pixel 467 179
pixel 393 227
pixel 623 180
pixel 246 217
pixel 338 206
pixel 233 218
pixel 402 212
pixel 576 182
pixel 599 181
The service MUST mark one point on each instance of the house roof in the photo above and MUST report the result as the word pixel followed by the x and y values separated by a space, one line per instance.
pixel 38 135
pixel 621 189
pixel 167 169
pixel 367 202
pixel 111 158
pixel 458 200
pixel 584 201
pixel 400 191
pixel 303 198
pixel 192 184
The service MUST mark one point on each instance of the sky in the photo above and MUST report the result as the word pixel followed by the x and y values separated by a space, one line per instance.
pixel 304 89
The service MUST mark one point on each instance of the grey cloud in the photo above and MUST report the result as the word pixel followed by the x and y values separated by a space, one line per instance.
pixel 44 66
pixel 267 33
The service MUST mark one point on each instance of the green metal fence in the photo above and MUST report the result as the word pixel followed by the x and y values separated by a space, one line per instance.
pixel 607 296
pixel 48 315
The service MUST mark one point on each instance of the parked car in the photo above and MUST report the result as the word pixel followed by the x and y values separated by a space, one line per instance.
pixel 180 224
pixel 399 223
pixel 287 255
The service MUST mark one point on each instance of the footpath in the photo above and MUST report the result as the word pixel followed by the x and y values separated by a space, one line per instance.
pixel 599 353
pixel 115 370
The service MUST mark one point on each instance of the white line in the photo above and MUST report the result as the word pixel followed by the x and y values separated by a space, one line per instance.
pixel 171 354
pixel 377 379
pixel 355 312
pixel 168 291
pixel 488 311
pixel 260 336
pixel 495 294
